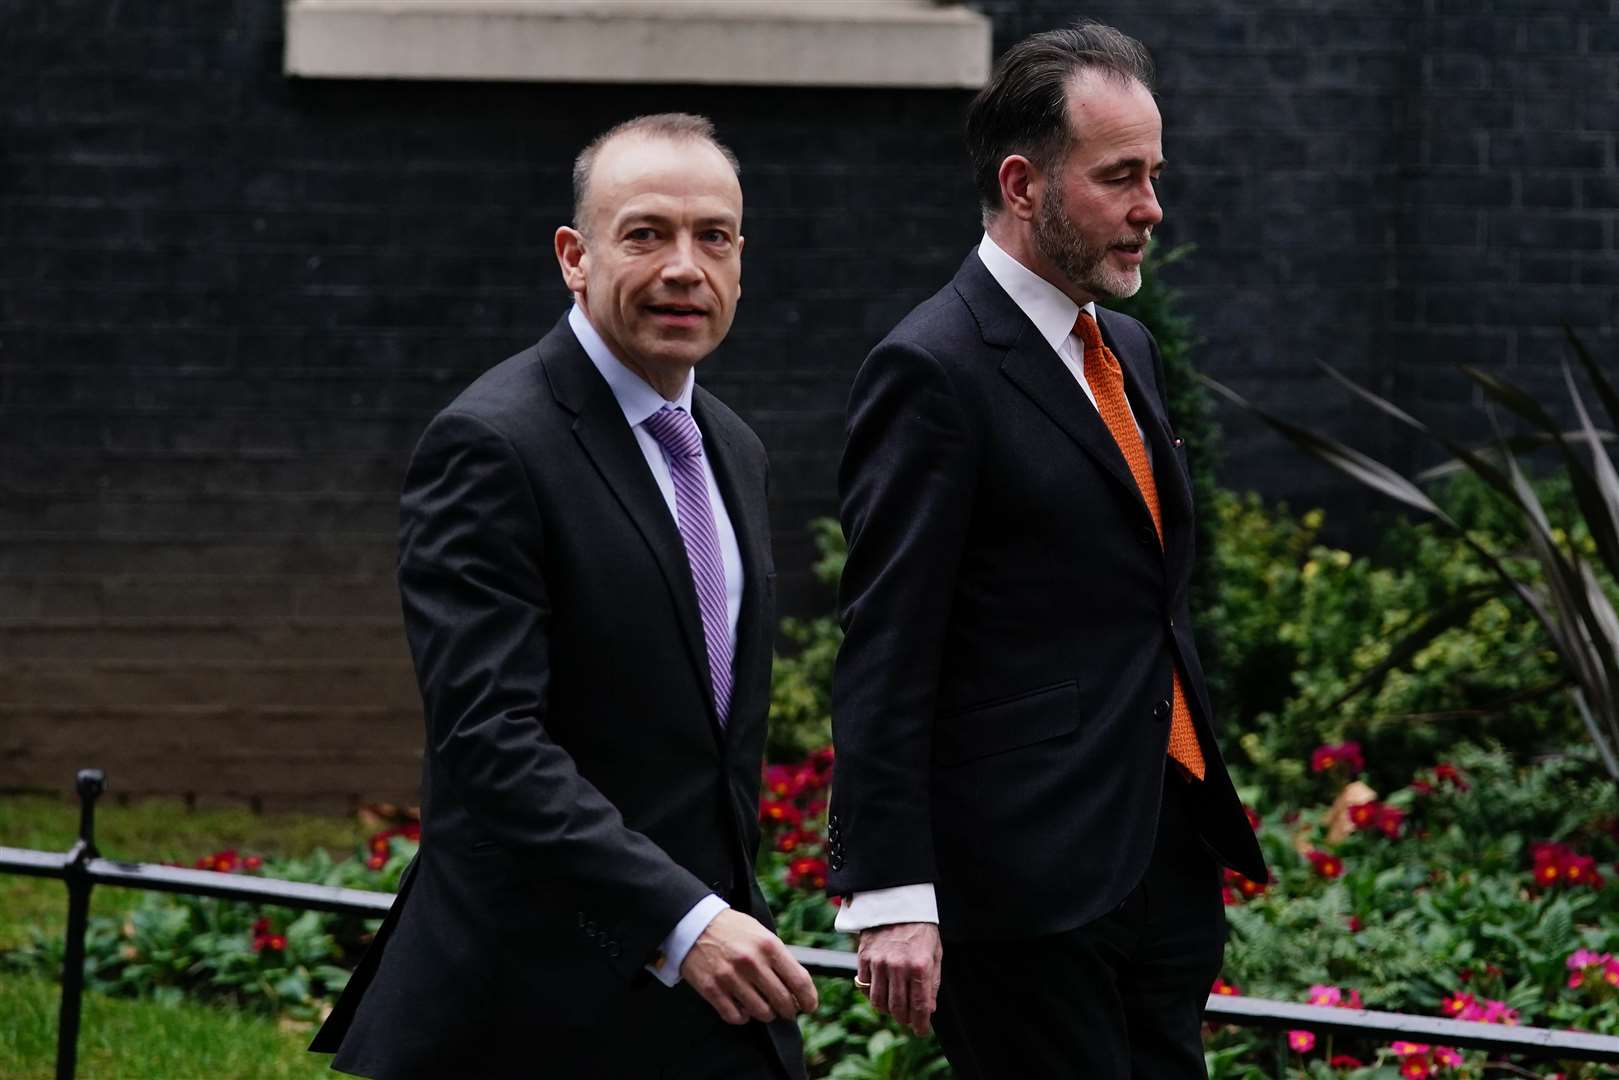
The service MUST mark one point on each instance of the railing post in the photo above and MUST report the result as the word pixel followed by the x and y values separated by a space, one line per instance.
pixel 90 784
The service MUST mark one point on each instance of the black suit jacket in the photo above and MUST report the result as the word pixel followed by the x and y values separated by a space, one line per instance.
pixel 1000 703
pixel 579 795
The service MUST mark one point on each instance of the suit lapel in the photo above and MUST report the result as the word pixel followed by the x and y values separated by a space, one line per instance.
pixel 610 444
pixel 1038 372
pixel 745 506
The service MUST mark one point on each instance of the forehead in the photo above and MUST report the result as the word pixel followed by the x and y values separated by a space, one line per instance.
pixel 639 174
pixel 1112 118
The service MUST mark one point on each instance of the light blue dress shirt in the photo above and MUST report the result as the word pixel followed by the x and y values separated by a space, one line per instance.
pixel 639 401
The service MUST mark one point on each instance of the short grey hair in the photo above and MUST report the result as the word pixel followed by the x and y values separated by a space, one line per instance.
pixel 676 126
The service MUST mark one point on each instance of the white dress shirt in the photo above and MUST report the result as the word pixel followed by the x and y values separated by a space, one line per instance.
pixel 1053 314
pixel 639 401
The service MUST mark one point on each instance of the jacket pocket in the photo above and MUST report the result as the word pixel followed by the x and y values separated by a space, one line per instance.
pixel 998 726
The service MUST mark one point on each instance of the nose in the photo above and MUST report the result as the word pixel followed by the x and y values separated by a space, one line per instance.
pixel 1147 212
pixel 681 266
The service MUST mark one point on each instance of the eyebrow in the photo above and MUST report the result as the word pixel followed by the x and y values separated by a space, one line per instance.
pixel 1131 164
pixel 653 217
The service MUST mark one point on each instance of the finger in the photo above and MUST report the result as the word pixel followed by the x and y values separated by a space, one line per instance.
pixel 773 990
pixel 749 1001
pixel 797 980
pixel 899 997
pixel 878 993
pixel 721 1003
pixel 921 1005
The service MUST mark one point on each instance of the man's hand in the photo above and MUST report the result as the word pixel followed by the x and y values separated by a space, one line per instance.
pixel 902 962
pixel 746 973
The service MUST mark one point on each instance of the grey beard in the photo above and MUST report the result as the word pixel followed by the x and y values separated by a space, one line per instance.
pixel 1056 238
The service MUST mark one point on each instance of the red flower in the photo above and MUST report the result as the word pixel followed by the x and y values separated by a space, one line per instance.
pixel 1554 863
pixel 1446 773
pixel 807 873
pixel 1380 816
pixel 261 926
pixel 1416 1067
pixel 277 942
pixel 220 861
pixel 781 781
pixel 1344 1061
pixel 1227 895
pixel 1327 866
pixel 1346 754
pixel 1355 924
pixel 1389 821
pixel 252 862
pixel 775 812
pixel 1364 815
pixel 821 761
pixel 1225 989
pixel 377 861
pixel 273 942
pixel 1253 817
pixel 1249 889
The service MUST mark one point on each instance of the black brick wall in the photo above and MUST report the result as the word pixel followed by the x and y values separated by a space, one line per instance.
pixel 229 301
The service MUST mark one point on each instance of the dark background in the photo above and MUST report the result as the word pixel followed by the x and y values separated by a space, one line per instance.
pixel 229 301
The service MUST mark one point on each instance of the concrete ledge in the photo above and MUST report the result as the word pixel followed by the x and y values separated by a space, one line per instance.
pixel 898 43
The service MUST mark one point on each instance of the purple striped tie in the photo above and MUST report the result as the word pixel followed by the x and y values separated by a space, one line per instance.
pixel 677 433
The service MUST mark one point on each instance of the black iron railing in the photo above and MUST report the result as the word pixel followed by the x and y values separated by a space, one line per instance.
pixel 82 868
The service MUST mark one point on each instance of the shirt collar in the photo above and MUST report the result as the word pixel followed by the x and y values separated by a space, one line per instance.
pixel 633 393
pixel 1047 306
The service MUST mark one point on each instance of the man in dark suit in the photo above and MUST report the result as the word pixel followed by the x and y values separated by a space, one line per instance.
pixel 1029 802
pixel 588 592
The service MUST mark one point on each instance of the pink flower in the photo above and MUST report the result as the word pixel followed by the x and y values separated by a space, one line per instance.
pixel 1325 995
pixel 1404 1049
pixel 1448 1057
pixel 1301 1042
pixel 1456 1004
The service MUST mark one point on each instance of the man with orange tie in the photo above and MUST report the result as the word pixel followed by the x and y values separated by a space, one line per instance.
pixel 1030 808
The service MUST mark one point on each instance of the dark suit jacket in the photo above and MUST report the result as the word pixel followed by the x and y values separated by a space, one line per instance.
pixel 1000 703
pixel 579 795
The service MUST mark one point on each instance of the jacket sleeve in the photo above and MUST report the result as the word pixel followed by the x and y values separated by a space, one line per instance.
pixel 472 547
pixel 906 487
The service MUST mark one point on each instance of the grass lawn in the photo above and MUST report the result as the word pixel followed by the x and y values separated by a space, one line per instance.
pixel 157 830
pixel 141 1039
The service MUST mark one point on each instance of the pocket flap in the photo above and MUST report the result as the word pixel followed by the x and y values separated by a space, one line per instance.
pixel 993 728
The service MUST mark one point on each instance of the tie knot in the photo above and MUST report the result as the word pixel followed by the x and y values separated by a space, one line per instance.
pixel 1087 331
pixel 676 432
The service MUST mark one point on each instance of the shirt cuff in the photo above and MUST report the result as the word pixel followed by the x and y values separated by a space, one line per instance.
pixel 882 907
pixel 666 968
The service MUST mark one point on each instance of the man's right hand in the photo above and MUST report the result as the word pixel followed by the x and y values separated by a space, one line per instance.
pixel 902 962
pixel 746 973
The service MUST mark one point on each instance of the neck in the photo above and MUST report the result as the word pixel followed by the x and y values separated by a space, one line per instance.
pixel 668 383
pixel 1016 237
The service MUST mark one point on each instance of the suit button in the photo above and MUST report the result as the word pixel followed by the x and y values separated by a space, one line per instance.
pixel 1160 711
pixel 836 862
pixel 613 950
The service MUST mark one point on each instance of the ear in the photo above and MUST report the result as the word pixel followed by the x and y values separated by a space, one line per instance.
pixel 570 245
pixel 741 241
pixel 1021 187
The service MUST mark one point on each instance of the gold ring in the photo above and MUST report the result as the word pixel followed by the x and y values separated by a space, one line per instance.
pixel 859 985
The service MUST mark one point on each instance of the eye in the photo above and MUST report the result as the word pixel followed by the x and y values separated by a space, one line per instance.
pixel 642 235
pixel 714 236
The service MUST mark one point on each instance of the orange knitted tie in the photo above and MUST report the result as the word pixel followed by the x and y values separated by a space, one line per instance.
pixel 1107 383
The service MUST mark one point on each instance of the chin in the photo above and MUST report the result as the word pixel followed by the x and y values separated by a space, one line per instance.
pixel 1115 286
